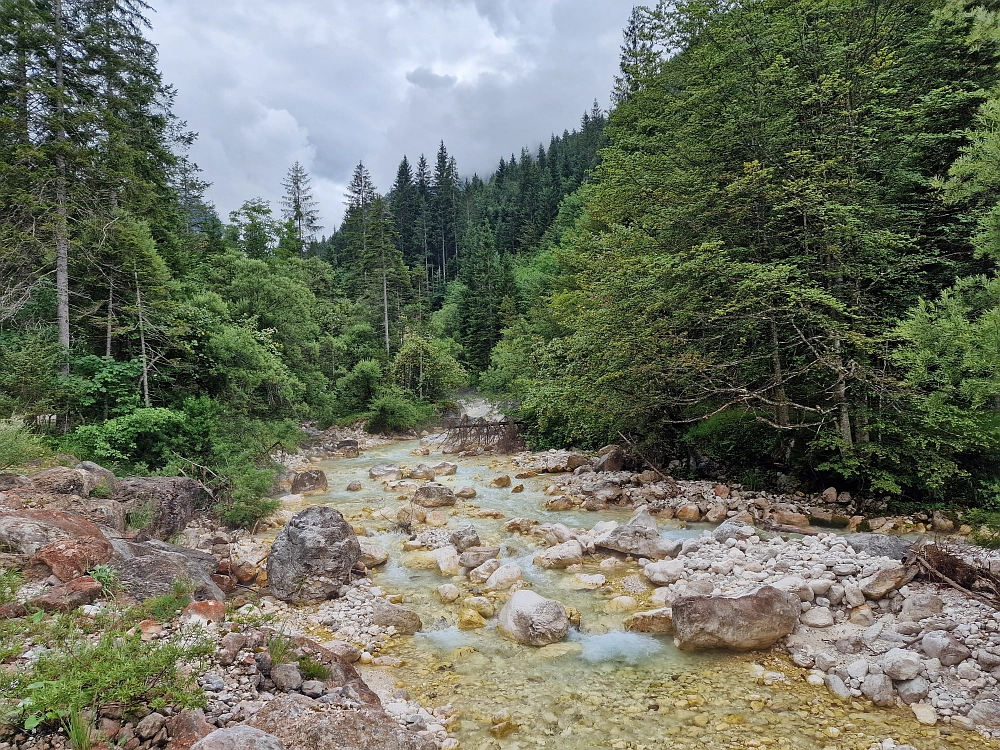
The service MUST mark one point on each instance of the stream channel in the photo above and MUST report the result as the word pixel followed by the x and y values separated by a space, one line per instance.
pixel 602 687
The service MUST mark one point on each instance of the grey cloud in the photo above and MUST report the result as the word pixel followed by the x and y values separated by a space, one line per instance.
pixel 425 78
pixel 332 82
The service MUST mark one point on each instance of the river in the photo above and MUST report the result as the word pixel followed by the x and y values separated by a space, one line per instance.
pixel 602 687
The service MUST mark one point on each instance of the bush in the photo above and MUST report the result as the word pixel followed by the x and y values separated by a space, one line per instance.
pixel 312 670
pixel 359 387
pixel 18 444
pixel 146 436
pixel 735 438
pixel 247 512
pixel 395 412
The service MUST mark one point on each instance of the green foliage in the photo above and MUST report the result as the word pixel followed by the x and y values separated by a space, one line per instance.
pixel 108 577
pixel 166 607
pixel 140 516
pixel 280 647
pixel 313 670
pixel 78 729
pixel 116 669
pixel 427 368
pixel 395 411
pixel 359 387
pixel 18 444
pixel 140 437
pixel 10 581
pixel 249 511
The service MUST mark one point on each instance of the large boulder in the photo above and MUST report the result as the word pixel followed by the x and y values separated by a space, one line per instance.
pixel 879 545
pixel 240 737
pixel 68 596
pixel 639 537
pixel 152 568
pixel 665 572
pixel 886 580
pixel 165 504
pixel 304 724
pixel 386 472
pixel 62 480
pixel 312 556
pixel 311 482
pixel 532 619
pixel 70 558
pixel 753 620
pixel 406 621
pixel 434 495
pixel 25 532
pixel 100 478
pixel 612 458
pixel 561 556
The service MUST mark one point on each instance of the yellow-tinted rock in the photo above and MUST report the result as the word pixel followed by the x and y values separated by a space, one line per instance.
pixel 470 619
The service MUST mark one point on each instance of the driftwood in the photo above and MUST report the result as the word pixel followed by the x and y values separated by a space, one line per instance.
pixel 944 564
pixel 467 434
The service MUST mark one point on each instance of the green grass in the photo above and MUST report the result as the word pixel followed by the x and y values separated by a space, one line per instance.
pixel 10 581
pixel 312 670
pixel 280 648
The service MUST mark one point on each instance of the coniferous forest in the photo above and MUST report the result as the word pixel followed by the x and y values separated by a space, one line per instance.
pixel 774 259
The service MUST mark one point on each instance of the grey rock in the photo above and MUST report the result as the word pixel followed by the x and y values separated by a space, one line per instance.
pixel 386 472
pixel 878 689
pixel 171 502
pixel 312 556
pixel 311 482
pixel 152 568
pixel 913 691
pixel 943 646
pixel 639 537
pixel 286 677
pixel 986 714
pixel 817 617
pixel 921 606
pixel 900 664
pixel 753 620
pixel 612 458
pixel 313 688
pixel 473 557
pixel 732 529
pixel 836 686
pixel 879 545
pixel 434 495
pixel 406 621
pixel 240 737
pixel 532 619
pixel 464 538
pixel 150 726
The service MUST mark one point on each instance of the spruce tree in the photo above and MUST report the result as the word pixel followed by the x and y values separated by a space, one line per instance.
pixel 298 206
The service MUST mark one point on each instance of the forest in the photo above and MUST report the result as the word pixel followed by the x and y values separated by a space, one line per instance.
pixel 773 260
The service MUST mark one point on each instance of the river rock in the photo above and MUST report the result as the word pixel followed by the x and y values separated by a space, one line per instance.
pixel 406 621
pixel 447 561
pixel 754 620
pixel 925 713
pixel 61 480
pixel 611 458
pixel 68 596
pixel 480 604
pixel 70 558
pixel 470 619
pixel 504 577
pixel 532 619
pixel 421 471
pixel 501 482
pixel 240 737
pixel 986 714
pixel 286 677
pixel 561 556
pixel 921 606
pixel 448 592
pixel 170 501
pixel 355 487
pixel 886 581
pixel 464 538
pixel 817 617
pixel 466 493
pixel 665 572
pixel 689 513
pixel 913 691
pixel 900 664
pixel 312 556
pixel 148 569
pixel 943 646
pixel 639 537
pixel 651 621
pixel 385 473
pixel 879 545
pixel 837 687
pixel 311 482
pixel 473 557
pixel 732 529
pixel 445 469
pixel 878 689
pixel 372 554
pixel 305 724
pixel 484 571
pixel 434 495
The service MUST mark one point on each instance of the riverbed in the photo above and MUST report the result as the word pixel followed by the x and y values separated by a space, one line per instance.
pixel 602 687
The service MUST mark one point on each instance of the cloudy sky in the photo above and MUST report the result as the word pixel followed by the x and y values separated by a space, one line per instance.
pixel 332 82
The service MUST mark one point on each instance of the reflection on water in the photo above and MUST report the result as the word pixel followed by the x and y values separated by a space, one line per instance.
pixel 602 687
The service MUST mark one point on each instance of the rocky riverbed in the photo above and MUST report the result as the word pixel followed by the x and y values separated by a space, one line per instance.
pixel 545 598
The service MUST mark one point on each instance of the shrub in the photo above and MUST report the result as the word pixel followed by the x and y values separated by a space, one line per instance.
pixel 312 670
pixel 735 438
pixel 18 444
pixel 359 387
pixel 395 412
pixel 247 512
pixel 107 576
pixel 279 647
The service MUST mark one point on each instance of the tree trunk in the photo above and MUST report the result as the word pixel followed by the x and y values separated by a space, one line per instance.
pixel 385 308
pixel 142 344
pixel 840 398
pixel 61 212
pixel 780 397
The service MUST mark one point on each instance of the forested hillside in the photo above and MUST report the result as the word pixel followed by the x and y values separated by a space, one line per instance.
pixel 774 260
pixel 785 262
pixel 141 330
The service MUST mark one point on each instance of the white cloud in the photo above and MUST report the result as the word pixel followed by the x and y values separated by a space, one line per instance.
pixel 332 82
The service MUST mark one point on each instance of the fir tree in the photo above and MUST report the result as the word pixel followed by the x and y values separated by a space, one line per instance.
pixel 298 206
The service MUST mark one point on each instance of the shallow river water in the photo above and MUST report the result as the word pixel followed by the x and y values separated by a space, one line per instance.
pixel 602 687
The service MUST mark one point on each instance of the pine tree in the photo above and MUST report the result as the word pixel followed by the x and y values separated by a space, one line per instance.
pixel 299 207
pixel 444 191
